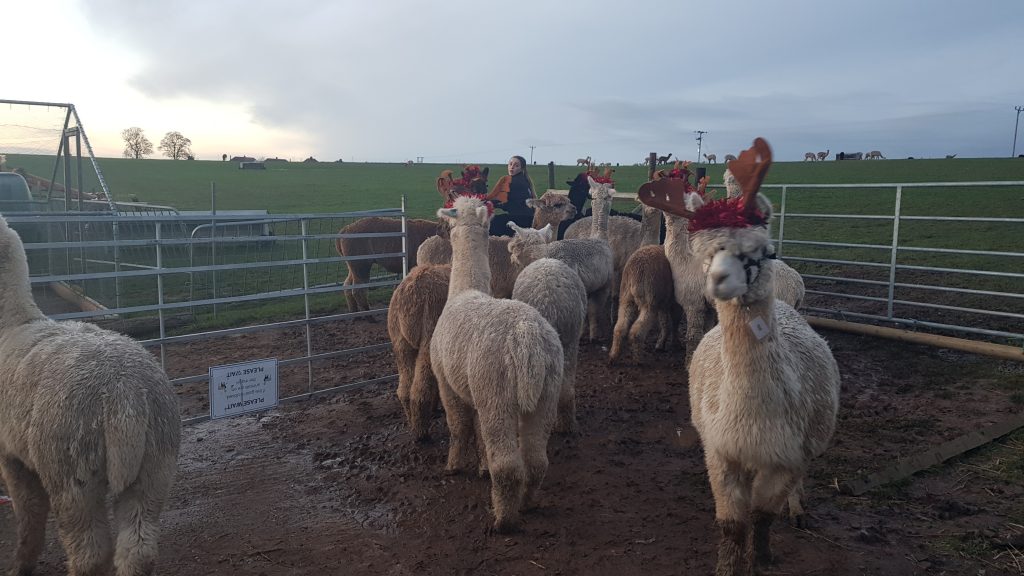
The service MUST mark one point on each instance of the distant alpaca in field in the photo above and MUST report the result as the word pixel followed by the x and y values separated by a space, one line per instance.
pixel 950 156
pixel 499 370
pixel 729 158
pixel 359 270
pixel 664 159
pixel 557 292
pixel 711 158
pixel 85 415
pixel 810 156
pixel 583 161
pixel 874 155
pixel 764 387
pixel 416 304
pixel 823 155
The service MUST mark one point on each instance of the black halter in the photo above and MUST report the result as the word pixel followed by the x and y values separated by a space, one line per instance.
pixel 750 263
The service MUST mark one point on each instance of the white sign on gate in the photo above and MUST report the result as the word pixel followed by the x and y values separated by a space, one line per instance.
pixel 244 387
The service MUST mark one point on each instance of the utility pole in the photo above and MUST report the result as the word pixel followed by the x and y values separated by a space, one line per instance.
pixel 531 154
pixel 1019 109
pixel 700 138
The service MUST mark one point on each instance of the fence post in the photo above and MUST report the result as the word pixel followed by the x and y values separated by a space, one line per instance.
pixel 405 242
pixel 304 229
pixel 551 175
pixel 213 241
pixel 160 295
pixel 895 250
pixel 782 222
pixel 652 165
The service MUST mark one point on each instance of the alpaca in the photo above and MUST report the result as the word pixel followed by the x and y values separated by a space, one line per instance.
pixel 729 158
pixel 646 295
pixel 552 208
pixel 687 276
pixel 764 387
pixel 664 159
pixel 438 251
pixel 557 292
pixel 590 257
pixel 583 161
pixel 810 156
pixel 823 155
pixel 498 365
pixel 874 155
pixel 711 158
pixel 359 270
pixel 625 235
pixel 416 304
pixel 950 156
pixel 789 284
pixel 85 414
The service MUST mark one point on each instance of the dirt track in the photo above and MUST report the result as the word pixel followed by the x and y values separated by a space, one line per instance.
pixel 339 487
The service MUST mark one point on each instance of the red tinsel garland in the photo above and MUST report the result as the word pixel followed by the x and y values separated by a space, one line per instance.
pixel 724 213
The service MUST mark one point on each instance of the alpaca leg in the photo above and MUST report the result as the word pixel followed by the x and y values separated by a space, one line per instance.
pixel 405 360
pixel 31 506
pixel 598 312
pixel 694 329
pixel 664 326
pixel 627 315
pixel 638 333
pixel 566 419
pixel 796 508
pixel 498 428
pixel 362 276
pixel 350 299
pixel 534 432
pixel 83 526
pixel 136 516
pixel 731 487
pixel 423 395
pixel 459 415
pixel 768 494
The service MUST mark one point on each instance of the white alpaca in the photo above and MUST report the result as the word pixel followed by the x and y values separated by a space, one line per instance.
pixel 498 364
pixel 557 292
pixel 85 413
pixel 625 235
pixel 789 284
pixel 591 258
pixel 438 251
pixel 764 387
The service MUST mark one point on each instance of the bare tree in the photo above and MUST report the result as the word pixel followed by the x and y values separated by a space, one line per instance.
pixel 136 145
pixel 175 146
pixel 224 157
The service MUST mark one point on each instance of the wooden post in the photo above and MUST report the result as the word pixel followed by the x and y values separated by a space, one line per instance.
pixel 652 165
pixel 551 175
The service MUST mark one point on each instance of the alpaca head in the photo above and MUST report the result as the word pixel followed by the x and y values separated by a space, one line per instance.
pixel 734 257
pixel 601 187
pixel 468 216
pixel 526 237
pixel 551 208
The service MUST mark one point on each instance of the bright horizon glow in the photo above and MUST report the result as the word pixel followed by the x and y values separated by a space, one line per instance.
pixel 397 81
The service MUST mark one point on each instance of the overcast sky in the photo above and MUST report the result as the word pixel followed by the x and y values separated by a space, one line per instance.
pixel 464 80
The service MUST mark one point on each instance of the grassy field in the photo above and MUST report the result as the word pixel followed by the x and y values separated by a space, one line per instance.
pixel 288 188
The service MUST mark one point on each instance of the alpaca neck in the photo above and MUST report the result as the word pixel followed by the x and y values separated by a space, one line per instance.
pixel 471 268
pixel 677 240
pixel 599 221
pixel 750 334
pixel 17 306
pixel 650 228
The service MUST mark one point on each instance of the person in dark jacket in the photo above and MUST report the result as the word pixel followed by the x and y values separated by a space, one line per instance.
pixel 510 194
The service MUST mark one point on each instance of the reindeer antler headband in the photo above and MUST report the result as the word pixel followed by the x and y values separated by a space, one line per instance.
pixel 450 188
pixel 669 194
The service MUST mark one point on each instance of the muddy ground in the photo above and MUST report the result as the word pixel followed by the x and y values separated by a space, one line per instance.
pixel 338 486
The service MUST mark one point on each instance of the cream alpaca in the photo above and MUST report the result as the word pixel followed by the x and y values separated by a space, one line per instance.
pixel 438 250
pixel 499 363
pixel 85 413
pixel 557 292
pixel 764 387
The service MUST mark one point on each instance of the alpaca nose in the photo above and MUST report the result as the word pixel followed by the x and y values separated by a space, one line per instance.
pixel 718 278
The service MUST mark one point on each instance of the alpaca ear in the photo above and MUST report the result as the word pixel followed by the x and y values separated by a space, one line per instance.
pixel 693 202
pixel 447 214
pixel 546 233
pixel 765 206
pixel 485 172
pixel 531 202
pixel 591 181
pixel 515 228
pixel 483 214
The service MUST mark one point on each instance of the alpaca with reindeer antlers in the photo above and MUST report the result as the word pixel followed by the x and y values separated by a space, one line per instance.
pixel 764 387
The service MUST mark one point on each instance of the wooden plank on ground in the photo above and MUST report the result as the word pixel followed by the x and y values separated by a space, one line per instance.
pixel 904 467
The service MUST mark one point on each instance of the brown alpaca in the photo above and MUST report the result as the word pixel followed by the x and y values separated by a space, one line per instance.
pixel 551 208
pixel 810 156
pixel 359 270
pixel 647 294
pixel 415 307
pixel 664 159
